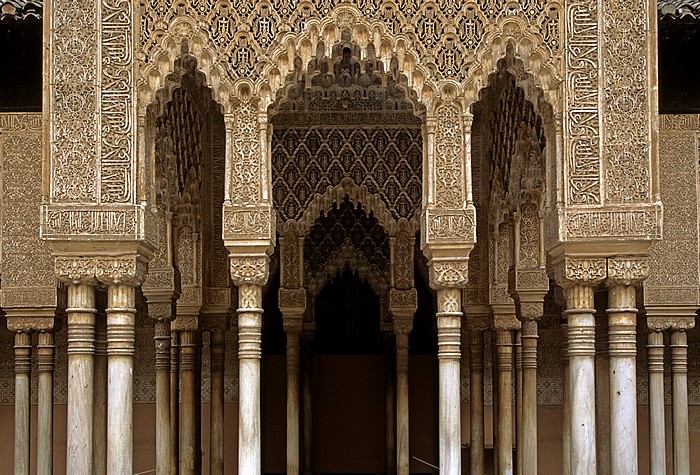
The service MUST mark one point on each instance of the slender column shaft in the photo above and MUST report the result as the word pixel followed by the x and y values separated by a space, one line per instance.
pixel 494 391
pixel 449 335
pixel 657 427
pixel 81 350
pixel 622 325
pixel 23 370
pixel 476 392
pixel 529 428
pixel 198 404
pixel 504 362
pixel 307 339
pixel 162 364
pixel 217 345
pixel 390 403
pixel 602 397
pixel 581 349
pixel 188 420
pixel 249 354
pixel 566 403
pixel 679 374
pixel 45 368
pixel 293 359
pixel 174 402
pixel 518 369
pixel 402 421
pixel 99 434
pixel 121 316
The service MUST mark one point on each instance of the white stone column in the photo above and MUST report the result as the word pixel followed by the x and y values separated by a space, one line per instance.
pixel 402 329
pixel 449 335
pixel 657 426
pixel 679 375
pixel 23 370
pixel 121 316
pixel 518 372
pixel 504 325
pixel 162 340
pixel 216 425
pixel 578 276
pixel 623 275
pixel 602 396
pixel 189 393
pixel 249 353
pixel 81 349
pixel 292 303
pixel 529 429
pixel 45 368
pixel 99 428
pixel 476 398
pixel 566 404
pixel 174 402
pixel 402 305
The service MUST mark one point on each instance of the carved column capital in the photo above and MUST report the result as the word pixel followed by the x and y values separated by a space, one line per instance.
pixel 530 311
pixel 292 324
pixel 506 322
pixel 403 325
pixel 575 271
pixel 403 302
pixel 30 324
pixel 680 323
pixel 250 270
pixel 449 274
pixel 122 270
pixel 292 302
pixel 627 270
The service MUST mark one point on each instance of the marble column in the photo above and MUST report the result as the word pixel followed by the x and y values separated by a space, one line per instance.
pixel 390 449
pixel 45 369
pixel 622 324
pixel 578 277
pixel 190 392
pixel 504 366
pixel 162 341
pixel 23 370
pixel 174 402
pixel 602 396
pixel 566 403
pixel 476 398
pixel 657 425
pixel 216 425
pixel 449 317
pixel 307 338
pixel 249 354
pixel 81 349
pixel 679 408
pixel 403 324
pixel 518 372
pixel 99 430
pixel 292 327
pixel 121 317
pixel 529 432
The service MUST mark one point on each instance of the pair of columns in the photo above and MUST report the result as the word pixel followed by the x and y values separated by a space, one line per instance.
pixel 23 327
pixel 92 446
pixel 293 307
pixel 677 327
pixel 579 277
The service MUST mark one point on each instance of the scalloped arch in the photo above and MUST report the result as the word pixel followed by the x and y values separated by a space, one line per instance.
pixel 371 203
pixel 328 32
pixel 514 38
pixel 347 256
pixel 182 38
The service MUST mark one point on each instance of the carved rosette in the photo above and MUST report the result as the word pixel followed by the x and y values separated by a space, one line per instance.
pixel 250 270
pixel 451 274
